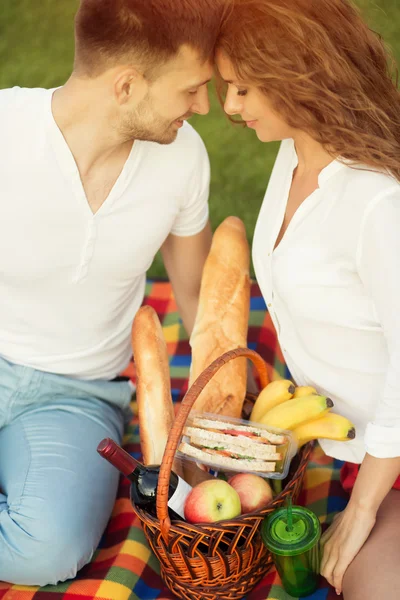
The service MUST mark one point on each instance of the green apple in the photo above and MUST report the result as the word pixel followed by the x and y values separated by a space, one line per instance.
pixel 210 501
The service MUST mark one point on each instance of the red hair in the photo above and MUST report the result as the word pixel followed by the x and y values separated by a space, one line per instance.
pixel 147 31
pixel 324 71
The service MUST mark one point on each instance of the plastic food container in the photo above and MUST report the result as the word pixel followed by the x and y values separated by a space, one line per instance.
pixel 228 445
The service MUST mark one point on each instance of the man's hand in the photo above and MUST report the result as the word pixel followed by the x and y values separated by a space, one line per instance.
pixel 343 540
pixel 184 259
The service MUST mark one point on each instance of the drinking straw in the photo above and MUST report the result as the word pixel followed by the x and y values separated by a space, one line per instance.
pixel 289 513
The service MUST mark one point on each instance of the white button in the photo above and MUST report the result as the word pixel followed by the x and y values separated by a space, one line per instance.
pixel 270 304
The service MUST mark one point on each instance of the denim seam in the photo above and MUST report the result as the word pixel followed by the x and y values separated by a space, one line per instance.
pixel 11 403
pixel 28 469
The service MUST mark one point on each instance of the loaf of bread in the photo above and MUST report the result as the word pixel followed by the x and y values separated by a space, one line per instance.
pixel 153 392
pixel 222 320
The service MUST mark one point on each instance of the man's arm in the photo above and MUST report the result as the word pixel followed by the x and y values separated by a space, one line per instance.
pixel 184 259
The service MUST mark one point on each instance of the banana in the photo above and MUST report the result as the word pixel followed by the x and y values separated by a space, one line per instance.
pixel 273 394
pixel 292 413
pixel 331 427
pixel 304 390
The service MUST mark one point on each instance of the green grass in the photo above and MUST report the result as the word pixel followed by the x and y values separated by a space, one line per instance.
pixel 36 49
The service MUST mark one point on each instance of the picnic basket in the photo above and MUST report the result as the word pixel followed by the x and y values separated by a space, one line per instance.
pixel 222 560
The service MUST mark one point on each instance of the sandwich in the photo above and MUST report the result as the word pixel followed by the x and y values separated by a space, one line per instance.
pixel 257 434
pixel 233 447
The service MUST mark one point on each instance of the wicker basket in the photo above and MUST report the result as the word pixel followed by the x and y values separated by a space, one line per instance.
pixel 213 561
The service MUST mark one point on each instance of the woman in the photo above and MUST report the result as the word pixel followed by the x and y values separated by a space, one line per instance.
pixel 327 245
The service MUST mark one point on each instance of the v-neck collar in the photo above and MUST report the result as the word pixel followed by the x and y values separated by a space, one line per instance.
pixel 325 174
pixel 69 168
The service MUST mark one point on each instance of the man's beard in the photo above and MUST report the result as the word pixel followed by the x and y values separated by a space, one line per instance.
pixel 147 125
pixel 159 132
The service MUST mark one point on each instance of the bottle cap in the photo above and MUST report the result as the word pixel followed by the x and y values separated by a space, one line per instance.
pixel 285 541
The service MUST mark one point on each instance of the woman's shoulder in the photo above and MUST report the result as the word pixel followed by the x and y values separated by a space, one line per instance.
pixel 367 183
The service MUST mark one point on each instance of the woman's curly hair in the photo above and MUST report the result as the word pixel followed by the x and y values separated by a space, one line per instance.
pixel 324 71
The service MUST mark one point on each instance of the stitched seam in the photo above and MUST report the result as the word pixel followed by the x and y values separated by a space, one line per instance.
pixel 27 471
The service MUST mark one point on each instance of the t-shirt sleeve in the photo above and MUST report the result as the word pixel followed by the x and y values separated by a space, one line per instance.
pixel 8 99
pixel 194 210
pixel 379 269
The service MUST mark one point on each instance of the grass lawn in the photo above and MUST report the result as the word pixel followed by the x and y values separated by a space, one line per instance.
pixel 36 49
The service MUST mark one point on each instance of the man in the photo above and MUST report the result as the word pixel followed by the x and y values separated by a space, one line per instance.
pixel 96 177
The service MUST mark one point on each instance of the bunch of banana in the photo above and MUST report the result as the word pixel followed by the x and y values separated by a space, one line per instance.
pixel 281 404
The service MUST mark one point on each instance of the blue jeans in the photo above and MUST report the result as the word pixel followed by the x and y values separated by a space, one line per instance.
pixel 56 492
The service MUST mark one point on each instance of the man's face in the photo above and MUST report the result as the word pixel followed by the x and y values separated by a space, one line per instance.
pixel 176 94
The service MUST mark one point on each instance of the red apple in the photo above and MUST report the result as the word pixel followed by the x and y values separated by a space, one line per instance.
pixel 210 501
pixel 254 491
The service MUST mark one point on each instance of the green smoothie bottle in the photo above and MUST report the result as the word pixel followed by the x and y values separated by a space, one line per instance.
pixel 292 536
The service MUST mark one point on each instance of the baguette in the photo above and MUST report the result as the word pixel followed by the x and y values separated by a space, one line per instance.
pixel 222 320
pixel 153 392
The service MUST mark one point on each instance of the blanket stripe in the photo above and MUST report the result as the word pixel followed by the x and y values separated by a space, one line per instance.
pixel 123 567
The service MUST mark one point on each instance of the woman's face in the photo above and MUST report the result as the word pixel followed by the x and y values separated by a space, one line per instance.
pixel 251 105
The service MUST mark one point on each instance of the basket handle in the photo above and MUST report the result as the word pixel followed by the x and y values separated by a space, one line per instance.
pixel 180 420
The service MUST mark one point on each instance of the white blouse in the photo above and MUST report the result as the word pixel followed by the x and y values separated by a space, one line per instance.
pixel 332 287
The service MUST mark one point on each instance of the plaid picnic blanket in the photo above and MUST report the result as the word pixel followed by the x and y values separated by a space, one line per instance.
pixel 123 567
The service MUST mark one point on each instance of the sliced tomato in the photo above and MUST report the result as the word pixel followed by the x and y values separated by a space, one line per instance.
pixel 249 434
pixel 221 452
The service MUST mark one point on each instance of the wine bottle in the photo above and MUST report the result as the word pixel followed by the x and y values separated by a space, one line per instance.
pixel 144 480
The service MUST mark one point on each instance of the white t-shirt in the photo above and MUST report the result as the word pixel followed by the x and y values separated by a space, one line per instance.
pixel 332 287
pixel 71 281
